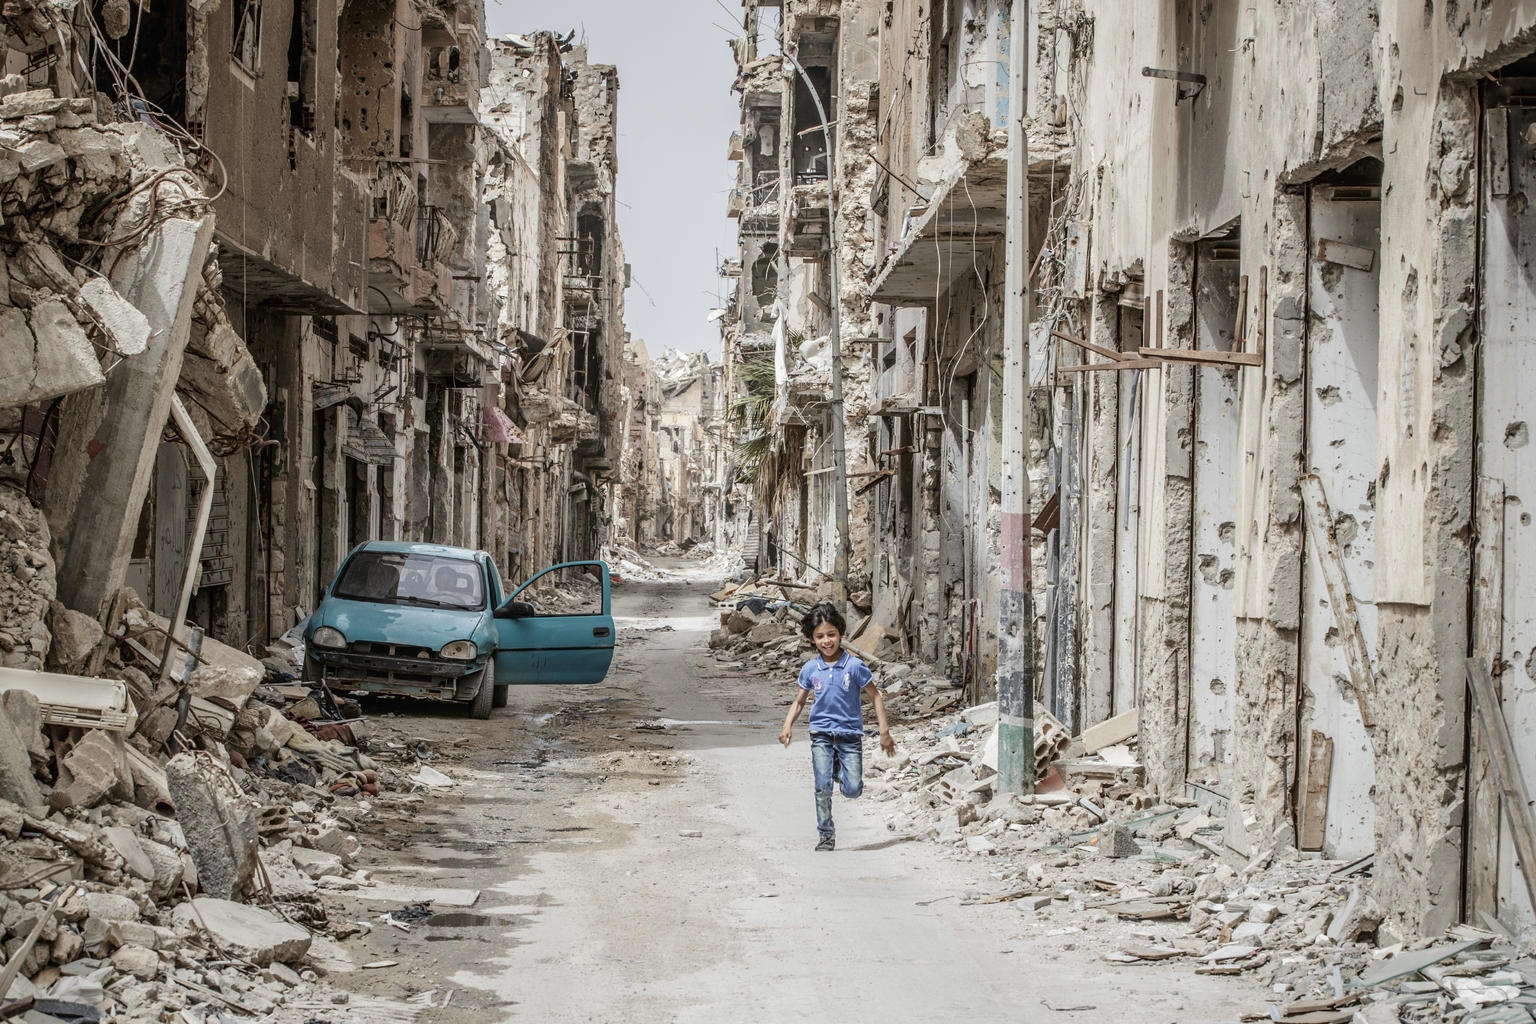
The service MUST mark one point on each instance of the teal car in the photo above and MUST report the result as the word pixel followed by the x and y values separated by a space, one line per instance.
pixel 425 620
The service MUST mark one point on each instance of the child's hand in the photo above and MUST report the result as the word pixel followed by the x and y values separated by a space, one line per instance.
pixel 887 744
pixel 784 735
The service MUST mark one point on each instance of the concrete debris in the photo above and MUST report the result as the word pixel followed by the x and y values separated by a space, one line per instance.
pixel 95 768
pixel 219 823
pixel 244 931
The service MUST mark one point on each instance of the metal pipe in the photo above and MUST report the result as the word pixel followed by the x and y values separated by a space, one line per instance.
pixel 210 468
pixel 1015 627
pixel 839 440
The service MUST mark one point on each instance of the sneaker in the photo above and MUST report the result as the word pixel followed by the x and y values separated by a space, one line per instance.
pixel 827 843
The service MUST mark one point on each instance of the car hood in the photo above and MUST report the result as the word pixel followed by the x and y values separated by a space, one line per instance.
pixel 399 624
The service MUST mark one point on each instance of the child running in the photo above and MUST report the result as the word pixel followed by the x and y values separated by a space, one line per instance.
pixel 834 683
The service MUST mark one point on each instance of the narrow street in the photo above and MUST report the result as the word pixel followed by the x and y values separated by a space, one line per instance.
pixel 643 853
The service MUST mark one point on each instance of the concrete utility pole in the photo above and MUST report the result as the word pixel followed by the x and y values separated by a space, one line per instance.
pixel 839 440
pixel 1015 627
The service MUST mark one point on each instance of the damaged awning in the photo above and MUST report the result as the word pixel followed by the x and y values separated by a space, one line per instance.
pixel 367 443
pixel 497 428
pixel 964 218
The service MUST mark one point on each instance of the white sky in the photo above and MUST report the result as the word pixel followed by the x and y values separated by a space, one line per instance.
pixel 676 115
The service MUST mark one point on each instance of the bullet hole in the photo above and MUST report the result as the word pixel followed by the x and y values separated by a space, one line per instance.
pixel 1210 570
pixel 1227 579
pixel 1516 435
pixel 1329 395
pixel 1370 493
pixel 1386 474
pixel 1397 100
pixel 1525 519
pixel 1218 687
pixel 1411 287
pixel 1345 528
pixel 1227 532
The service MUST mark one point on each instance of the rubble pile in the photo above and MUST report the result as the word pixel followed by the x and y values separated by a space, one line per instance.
pixel 1093 851
pixel 166 836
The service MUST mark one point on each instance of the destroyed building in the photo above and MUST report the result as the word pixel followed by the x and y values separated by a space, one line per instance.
pixel 276 277
pixel 1277 444
pixel 388 314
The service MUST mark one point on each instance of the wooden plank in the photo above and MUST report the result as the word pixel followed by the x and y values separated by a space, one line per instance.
pixel 1191 355
pixel 1107 353
pixel 1320 533
pixel 1314 801
pixel 1261 329
pixel 1108 733
pixel 1120 364
pixel 1483 825
pixel 1240 328
pixel 1506 770
pixel 1331 250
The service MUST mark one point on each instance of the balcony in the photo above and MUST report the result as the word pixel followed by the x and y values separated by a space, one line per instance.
pixel 401 232
pixel 452 77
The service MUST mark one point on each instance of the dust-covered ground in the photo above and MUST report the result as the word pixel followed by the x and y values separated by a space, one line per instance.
pixel 642 851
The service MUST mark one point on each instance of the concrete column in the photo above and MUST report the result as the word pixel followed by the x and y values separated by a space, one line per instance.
pixel 118 446
pixel 1166 534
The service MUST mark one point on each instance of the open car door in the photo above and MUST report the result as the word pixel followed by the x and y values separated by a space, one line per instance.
pixel 564 637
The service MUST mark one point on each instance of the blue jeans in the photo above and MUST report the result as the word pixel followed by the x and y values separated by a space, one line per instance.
pixel 840 758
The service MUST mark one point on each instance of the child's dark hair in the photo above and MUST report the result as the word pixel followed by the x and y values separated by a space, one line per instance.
pixel 823 612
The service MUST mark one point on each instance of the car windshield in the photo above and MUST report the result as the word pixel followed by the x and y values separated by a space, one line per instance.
pixel 393 577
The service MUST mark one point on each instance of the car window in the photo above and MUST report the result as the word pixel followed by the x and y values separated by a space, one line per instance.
pixel 572 590
pixel 392 577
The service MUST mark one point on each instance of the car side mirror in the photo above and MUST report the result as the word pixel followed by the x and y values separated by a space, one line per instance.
pixel 516 610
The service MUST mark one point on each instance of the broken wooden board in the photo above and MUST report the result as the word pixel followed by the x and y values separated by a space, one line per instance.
pixel 1314 800
pixel 1341 599
pixel 1506 770
pixel 1111 731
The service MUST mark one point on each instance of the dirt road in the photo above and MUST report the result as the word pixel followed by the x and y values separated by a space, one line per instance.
pixel 644 853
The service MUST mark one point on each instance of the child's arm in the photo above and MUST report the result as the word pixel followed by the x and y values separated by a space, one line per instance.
pixel 794 713
pixel 887 744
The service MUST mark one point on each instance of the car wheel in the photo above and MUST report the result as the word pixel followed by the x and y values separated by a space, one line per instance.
pixel 313 673
pixel 499 696
pixel 485 695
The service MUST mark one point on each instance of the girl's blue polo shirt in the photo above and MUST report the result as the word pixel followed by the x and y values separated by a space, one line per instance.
pixel 836 707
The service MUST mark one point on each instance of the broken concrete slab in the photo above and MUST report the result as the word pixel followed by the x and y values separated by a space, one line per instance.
pixel 34 368
pixel 126 329
pixel 95 768
pixel 126 842
pixel 243 931
pixel 1114 730
pixel 219 373
pixel 219 822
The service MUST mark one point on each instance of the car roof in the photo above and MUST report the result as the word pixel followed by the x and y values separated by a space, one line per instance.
pixel 412 548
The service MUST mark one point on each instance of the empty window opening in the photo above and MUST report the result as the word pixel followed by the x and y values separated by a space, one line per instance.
pixel 160 71
pixel 245 43
pixel 808 155
pixel 302 59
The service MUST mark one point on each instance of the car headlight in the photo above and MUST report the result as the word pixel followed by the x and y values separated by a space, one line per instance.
pixel 325 636
pixel 460 650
